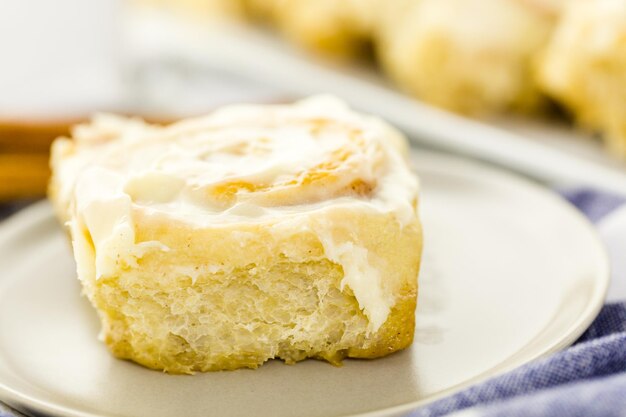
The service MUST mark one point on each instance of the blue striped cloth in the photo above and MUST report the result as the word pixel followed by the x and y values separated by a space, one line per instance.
pixel 586 380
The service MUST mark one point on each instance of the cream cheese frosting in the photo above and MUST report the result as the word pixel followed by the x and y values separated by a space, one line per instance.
pixel 241 164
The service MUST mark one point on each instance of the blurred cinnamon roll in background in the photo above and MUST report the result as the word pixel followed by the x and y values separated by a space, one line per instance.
pixel 470 56
pixel 584 67
pixel 342 28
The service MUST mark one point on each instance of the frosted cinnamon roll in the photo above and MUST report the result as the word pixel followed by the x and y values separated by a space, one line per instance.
pixel 341 28
pixel 254 233
pixel 470 56
pixel 584 67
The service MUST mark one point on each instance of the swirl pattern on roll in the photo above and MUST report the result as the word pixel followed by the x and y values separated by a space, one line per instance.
pixel 243 161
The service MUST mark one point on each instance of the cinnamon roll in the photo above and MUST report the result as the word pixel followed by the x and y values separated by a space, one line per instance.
pixel 256 232
pixel 341 28
pixel 584 67
pixel 470 56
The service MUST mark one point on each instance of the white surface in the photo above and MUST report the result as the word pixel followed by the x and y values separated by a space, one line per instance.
pixel 258 56
pixel 510 273
pixel 59 57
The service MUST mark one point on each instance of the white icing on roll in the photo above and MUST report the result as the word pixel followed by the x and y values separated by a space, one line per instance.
pixel 240 164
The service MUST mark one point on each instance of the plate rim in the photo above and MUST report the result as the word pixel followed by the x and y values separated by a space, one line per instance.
pixel 577 328
pixel 41 211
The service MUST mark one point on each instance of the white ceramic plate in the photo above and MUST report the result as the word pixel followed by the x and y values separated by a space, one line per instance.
pixel 510 273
